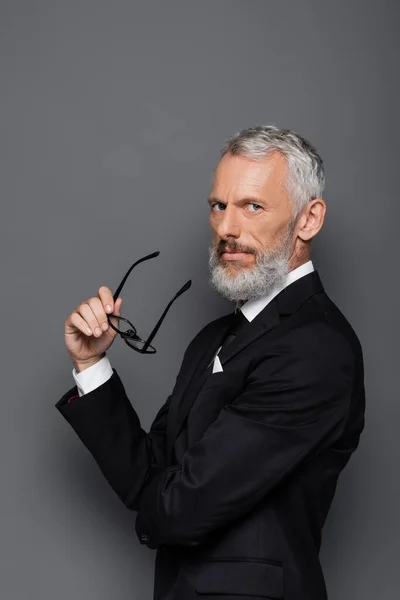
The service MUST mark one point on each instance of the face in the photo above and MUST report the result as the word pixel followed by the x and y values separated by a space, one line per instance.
pixel 250 216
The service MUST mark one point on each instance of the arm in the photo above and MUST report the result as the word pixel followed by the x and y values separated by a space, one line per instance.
pixel 106 422
pixel 109 427
pixel 295 404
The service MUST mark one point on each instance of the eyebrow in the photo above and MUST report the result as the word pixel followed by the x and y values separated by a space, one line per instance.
pixel 253 199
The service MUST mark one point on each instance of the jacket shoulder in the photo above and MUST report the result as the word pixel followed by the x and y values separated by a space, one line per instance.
pixel 321 304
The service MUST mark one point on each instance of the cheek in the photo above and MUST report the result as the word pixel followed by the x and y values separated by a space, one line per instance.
pixel 213 226
pixel 266 234
pixel 258 236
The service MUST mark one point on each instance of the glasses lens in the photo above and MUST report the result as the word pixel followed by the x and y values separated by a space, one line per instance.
pixel 127 330
pixel 138 343
pixel 123 326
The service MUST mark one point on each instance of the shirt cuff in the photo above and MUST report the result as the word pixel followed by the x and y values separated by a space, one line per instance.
pixel 91 378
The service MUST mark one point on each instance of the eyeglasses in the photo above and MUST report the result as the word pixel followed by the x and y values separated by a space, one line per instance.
pixel 128 331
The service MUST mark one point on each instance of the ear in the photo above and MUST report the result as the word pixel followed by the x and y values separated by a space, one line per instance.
pixel 311 219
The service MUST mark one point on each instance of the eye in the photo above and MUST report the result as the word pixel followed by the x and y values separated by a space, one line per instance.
pixel 254 207
pixel 217 206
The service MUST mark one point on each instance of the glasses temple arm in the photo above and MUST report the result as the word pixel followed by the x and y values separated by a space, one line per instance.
pixel 161 319
pixel 121 285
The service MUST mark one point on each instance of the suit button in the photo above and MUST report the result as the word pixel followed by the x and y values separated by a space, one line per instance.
pixel 144 538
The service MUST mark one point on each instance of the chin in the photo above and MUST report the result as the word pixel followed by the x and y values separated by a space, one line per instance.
pixel 233 266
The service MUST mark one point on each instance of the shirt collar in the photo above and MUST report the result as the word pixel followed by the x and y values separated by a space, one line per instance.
pixel 252 307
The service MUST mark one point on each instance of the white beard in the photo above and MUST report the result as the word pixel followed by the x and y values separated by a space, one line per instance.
pixel 268 273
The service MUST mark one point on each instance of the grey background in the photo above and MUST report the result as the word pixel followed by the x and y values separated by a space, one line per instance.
pixel 112 115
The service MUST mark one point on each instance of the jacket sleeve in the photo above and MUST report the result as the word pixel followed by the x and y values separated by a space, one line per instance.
pixel 107 424
pixel 295 403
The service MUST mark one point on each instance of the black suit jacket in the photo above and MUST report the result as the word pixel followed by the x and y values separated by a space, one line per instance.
pixel 234 480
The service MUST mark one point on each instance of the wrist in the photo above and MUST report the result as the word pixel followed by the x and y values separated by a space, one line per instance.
pixel 81 365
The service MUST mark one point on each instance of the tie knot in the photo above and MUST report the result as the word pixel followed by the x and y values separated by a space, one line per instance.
pixel 238 323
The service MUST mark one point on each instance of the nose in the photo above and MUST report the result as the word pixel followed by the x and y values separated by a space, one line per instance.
pixel 228 224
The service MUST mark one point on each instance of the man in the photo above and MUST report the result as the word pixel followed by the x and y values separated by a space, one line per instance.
pixel 234 480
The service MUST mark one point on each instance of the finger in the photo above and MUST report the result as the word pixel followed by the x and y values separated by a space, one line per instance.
pixel 98 310
pixel 80 324
pixel 117 307
pixel 107 299
pixel 85 311
pixel 117 311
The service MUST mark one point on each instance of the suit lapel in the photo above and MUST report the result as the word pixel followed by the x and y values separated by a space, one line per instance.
pixel 286 302
pixel 263 322
pixel 187 392
pixel 181 406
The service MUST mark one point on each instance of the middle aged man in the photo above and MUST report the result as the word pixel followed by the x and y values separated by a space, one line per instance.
pixel 234 480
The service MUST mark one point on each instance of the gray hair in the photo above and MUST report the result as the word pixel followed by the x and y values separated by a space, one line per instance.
pixel 305 172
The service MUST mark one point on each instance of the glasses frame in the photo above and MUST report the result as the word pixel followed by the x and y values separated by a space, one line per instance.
pixel 131 334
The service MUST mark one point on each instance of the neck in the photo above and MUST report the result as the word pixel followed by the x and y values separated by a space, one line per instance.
pixel 300 256
pixel 295 264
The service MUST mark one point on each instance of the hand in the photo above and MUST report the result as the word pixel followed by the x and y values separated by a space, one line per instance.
pixel 87 332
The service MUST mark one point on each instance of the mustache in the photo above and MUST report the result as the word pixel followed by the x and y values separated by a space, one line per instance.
pixel 223 246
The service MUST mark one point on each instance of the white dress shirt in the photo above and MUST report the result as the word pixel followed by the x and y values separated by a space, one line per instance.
pixel 92 377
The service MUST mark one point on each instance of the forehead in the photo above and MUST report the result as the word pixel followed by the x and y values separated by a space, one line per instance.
pixel 238 175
